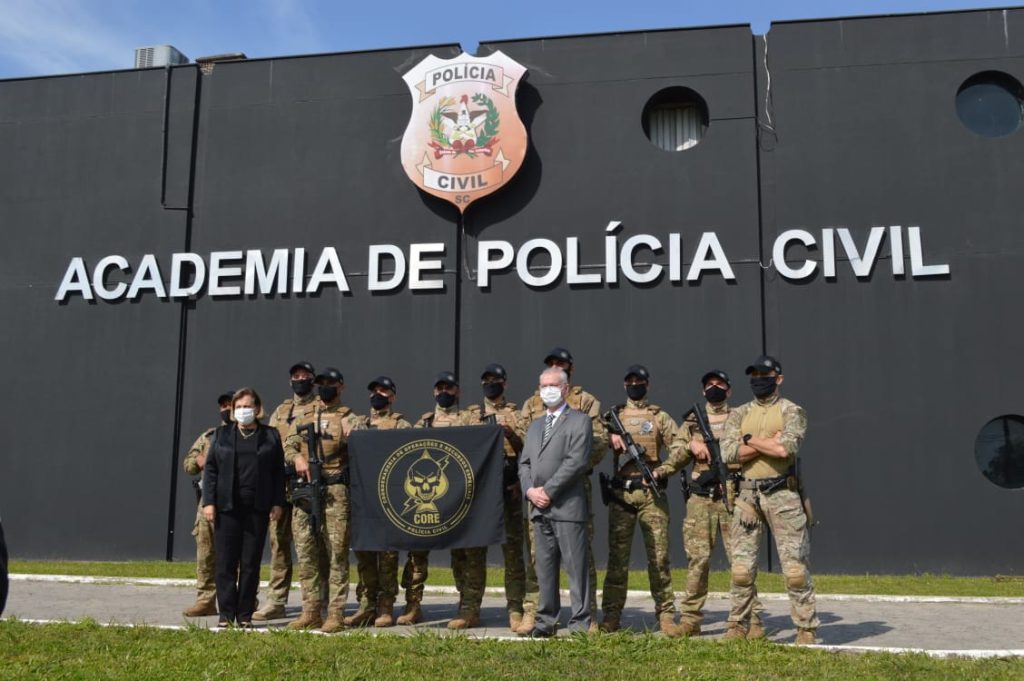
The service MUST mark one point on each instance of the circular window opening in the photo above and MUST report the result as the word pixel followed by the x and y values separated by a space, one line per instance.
pixel 991 104
pixel 675 119
pixel 999 451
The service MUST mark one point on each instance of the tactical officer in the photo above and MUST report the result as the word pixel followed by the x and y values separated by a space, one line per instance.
pixel 705 508
pixel 333 422
pixel 764 436
pixel 633 501
pixel 378 570
pixel 580 400
pixel 202 530
pixel 301 405
pixel 469 566
pixel 494 381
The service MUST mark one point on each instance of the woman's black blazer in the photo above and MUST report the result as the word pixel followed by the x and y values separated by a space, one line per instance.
pixel 219 472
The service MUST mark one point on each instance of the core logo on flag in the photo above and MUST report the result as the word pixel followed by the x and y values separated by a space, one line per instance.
pixel 426 487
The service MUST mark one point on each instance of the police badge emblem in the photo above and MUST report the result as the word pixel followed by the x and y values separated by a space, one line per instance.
pixel 464 139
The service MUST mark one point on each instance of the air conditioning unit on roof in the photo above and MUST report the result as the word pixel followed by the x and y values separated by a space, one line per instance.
pixel 158 55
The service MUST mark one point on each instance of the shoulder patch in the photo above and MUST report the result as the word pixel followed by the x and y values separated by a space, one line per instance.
pixel 654 408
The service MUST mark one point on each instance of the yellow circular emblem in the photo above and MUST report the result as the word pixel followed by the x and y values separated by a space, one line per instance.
pixel 426 487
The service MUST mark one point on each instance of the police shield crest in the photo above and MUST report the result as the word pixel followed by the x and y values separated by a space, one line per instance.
pixel 464 139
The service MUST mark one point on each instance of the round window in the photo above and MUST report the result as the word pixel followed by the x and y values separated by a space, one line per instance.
pixel 991 104
pixel 675 119
pixel 999 451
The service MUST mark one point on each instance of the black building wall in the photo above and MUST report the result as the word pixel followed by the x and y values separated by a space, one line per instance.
pixel 858 129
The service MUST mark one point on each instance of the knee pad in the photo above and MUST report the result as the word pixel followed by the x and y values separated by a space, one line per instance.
pixel 795 574
pixel 742 575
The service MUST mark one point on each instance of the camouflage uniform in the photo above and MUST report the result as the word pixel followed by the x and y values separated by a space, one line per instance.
pixel 378 570
pixel 781 509
pixel 333 538
pixel 469 566
pixel 281 530
pixel 705 516
pixel 651 429
pixel 507 414
pixel 580 400
pixel 202 530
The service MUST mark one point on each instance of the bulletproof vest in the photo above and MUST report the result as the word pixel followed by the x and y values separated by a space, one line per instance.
pixel 335 444
pixel 440 418
pixel 388 421
pixel 763 421
pixel 289 412
pixel 504 414
pixel 643 426
pixel 717 423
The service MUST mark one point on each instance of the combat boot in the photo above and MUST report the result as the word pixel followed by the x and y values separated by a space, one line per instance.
pixel 667 625
pixel 609 624
pixel 309 619
pixel 200 609
pixel 334 623
pixel 735 632
pixel 515 619
pixel 412 614
pixel 385 614
pixel 689 628
pixel 466 619
pixel 363 617
pixel 756 632
pixel 527 624
pixel 805 637
pixel 270 611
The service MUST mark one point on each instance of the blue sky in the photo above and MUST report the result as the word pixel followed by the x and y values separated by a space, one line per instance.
pixel 42 37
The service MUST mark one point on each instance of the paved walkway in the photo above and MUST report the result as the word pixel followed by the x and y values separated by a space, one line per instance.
pixel 973 627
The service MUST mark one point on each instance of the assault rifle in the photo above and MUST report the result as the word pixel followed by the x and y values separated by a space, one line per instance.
pixel 309 495
pixel 718 467
pixel 633 452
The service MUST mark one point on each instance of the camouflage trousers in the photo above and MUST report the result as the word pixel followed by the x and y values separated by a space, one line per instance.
pixel 512 550
pixel 532 587
pixel 414 575
pixel 329 545
pixel 469 568
pixel 784 514
pixel 704 518
pixel 378 578
pixel 206 565
pixel 280 558
pixel 652 515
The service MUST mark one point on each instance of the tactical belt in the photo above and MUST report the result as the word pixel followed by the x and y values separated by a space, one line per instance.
pixel 335 479
pixel 631 482
pixel 714 493
pixel 764 485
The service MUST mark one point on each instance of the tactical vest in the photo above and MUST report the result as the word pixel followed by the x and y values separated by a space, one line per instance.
pixel 763 421
pixel 333 440
pixel 447 419
pixel 505 416
pixel 387 421
pixel 289 411
pixel 717 423
pixel 643 426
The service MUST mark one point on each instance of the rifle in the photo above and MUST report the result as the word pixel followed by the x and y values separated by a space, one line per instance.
pixel 718 467
pixel 634 452
pixel 309 495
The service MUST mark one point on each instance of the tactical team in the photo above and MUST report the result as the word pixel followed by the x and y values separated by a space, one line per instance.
pixel 754 483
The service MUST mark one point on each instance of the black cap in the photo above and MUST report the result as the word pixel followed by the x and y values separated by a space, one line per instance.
pixel 559 353
pixel 226 397
pixel 446 377
pixel 494 370
pixel 383 382
pixel 716 373
pixel 329 374
pixel 638 370
pixel 302 365
pixel 765 363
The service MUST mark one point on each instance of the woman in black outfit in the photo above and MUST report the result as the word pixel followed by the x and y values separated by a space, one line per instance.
pixel 243 488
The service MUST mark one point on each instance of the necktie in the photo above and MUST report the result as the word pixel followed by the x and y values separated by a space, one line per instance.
pixel 548 424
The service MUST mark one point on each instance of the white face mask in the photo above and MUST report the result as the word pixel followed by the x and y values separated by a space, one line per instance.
pixel 245 415
pixel 551 395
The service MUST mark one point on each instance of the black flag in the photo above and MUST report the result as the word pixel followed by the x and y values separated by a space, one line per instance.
pixel 420 489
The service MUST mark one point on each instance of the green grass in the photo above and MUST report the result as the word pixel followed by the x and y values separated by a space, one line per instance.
pixel 912 585
pixel 89 651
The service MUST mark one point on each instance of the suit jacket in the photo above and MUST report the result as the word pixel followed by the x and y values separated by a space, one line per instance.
pixel 219 472
pixel 559 466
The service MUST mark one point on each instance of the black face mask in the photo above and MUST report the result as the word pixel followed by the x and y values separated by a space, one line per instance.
pixel 762 386
pixel 327 392
pixel 493 390
pixel 302 387
pixel 225 415
pixel 445 400
pixel 715 394
pixel 636 392
pixel 378 401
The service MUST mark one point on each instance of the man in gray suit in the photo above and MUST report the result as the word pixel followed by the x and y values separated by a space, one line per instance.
pixel 552 466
